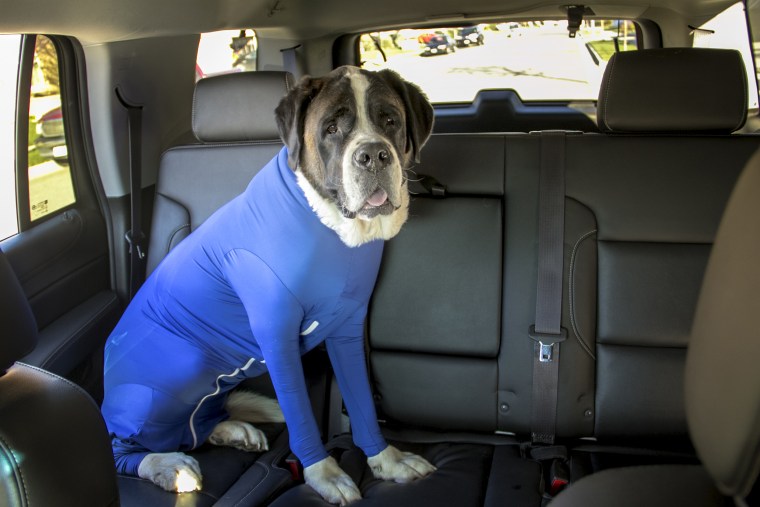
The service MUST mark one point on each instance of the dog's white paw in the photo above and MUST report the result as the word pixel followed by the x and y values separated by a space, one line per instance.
pixel 394 465
pixel 173 471
pixel 240 435
pixel 331 482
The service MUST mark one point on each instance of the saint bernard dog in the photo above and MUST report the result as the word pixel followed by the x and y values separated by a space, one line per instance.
pixel 289 264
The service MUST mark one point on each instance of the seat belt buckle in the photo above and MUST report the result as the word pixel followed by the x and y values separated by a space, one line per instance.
pixel 295 468
pixel 559 476
pixel 546 342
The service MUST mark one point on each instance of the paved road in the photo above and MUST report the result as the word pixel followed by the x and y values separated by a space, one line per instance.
pixel 543 64
pixel 49 188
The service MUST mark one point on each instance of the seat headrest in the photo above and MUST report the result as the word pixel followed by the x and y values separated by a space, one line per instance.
pixel 239 107
pixel 673 90
pixel 16 318
pixel 722 384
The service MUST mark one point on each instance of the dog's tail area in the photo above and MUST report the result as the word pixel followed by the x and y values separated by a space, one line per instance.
pixel 252 407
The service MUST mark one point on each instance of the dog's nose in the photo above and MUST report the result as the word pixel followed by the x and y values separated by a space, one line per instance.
pixel 372 156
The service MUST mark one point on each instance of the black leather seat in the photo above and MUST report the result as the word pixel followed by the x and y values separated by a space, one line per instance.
pixel 722 387
pixel 54 446
pixel 233 121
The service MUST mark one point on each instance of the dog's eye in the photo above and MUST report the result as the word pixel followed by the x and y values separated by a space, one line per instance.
pixel 390 122
pixel 331 128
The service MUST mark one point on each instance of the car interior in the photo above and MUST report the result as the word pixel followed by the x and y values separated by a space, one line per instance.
pixel 566 318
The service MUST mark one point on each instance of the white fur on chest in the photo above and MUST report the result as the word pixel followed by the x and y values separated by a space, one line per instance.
pixel 355 231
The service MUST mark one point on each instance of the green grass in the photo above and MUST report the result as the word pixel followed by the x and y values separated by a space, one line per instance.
pixel 34 156
pixel 604 48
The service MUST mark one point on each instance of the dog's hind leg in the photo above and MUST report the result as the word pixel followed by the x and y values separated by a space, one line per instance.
pixel 246 407
pixel 240 435
pixel 173 471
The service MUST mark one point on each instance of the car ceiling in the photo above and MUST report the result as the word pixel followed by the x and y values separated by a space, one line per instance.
pixel 98 21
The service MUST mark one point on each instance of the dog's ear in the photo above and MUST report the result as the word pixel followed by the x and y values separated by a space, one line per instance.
pixel 419 112
pixel 291 115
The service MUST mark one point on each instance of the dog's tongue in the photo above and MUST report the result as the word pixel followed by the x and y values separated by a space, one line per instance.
pixel 378 198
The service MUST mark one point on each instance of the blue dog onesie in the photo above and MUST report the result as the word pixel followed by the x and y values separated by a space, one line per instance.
pixel 260 283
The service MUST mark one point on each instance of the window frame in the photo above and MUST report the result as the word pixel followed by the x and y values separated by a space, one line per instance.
pixel 69 90
pixel 23 99
pixel 347 50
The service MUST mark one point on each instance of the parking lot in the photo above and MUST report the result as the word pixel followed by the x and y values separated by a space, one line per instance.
pixel 541 63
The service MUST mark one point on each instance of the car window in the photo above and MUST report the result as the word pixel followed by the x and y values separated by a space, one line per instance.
pixel 226 51
pixel 50 185
pixel 728 30
pixel 536 59
pixel 45 165
pixel 10 46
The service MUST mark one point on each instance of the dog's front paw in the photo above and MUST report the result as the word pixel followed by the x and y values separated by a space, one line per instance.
pixel 240 435
pixel 394 465
pixel 174 471
pixel 331 482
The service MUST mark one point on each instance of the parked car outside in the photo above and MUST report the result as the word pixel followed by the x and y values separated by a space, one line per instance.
pixel 51 140
pixel 469 36
pixel 438 44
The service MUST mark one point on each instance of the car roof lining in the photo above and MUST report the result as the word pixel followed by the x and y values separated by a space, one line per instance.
pixel 98 21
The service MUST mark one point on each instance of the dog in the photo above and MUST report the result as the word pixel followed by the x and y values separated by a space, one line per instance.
pixel 287 265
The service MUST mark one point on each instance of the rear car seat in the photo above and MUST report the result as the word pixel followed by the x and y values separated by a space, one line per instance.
pixel 722 386
pixel 653 188
pixel 233 120
pixel 434 333
pixel 451 360
pixel 642 204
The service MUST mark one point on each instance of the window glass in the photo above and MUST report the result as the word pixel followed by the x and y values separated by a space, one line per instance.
pixel 50 185
pixel 10 46
pixel 226 51
pixel 754 21
pixel 536 59
pixel 728 30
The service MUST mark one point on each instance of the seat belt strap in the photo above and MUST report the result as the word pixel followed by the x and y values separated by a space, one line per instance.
pixel 547 333
pixel 134 236
pixel 425 184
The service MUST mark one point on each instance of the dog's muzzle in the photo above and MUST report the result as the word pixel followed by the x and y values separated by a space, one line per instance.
pixel 372 157
pixel 371 184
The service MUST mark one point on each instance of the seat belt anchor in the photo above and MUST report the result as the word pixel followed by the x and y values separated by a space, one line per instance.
pixel 546 342
pixel 137 243
pixel 295 467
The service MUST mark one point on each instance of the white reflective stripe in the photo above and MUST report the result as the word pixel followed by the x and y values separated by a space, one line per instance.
pixel 310 329
pixel 210 395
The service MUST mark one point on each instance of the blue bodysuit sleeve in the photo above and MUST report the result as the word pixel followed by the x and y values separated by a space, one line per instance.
pixel 127 457
pixel 275 317
pixel 346 350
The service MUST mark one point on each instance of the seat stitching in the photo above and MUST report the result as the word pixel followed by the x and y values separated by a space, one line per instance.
pixel 174 233
pixel 607 94
pixel 267 470
pixel 571 281
pixel 54 376
pixel 17 467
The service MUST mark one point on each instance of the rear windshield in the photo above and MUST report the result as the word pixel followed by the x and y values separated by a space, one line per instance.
pixel 536 59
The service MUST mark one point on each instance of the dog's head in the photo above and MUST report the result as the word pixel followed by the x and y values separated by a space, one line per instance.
pixel 351 134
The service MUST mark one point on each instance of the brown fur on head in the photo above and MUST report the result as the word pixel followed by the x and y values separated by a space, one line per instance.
pixel 351 134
